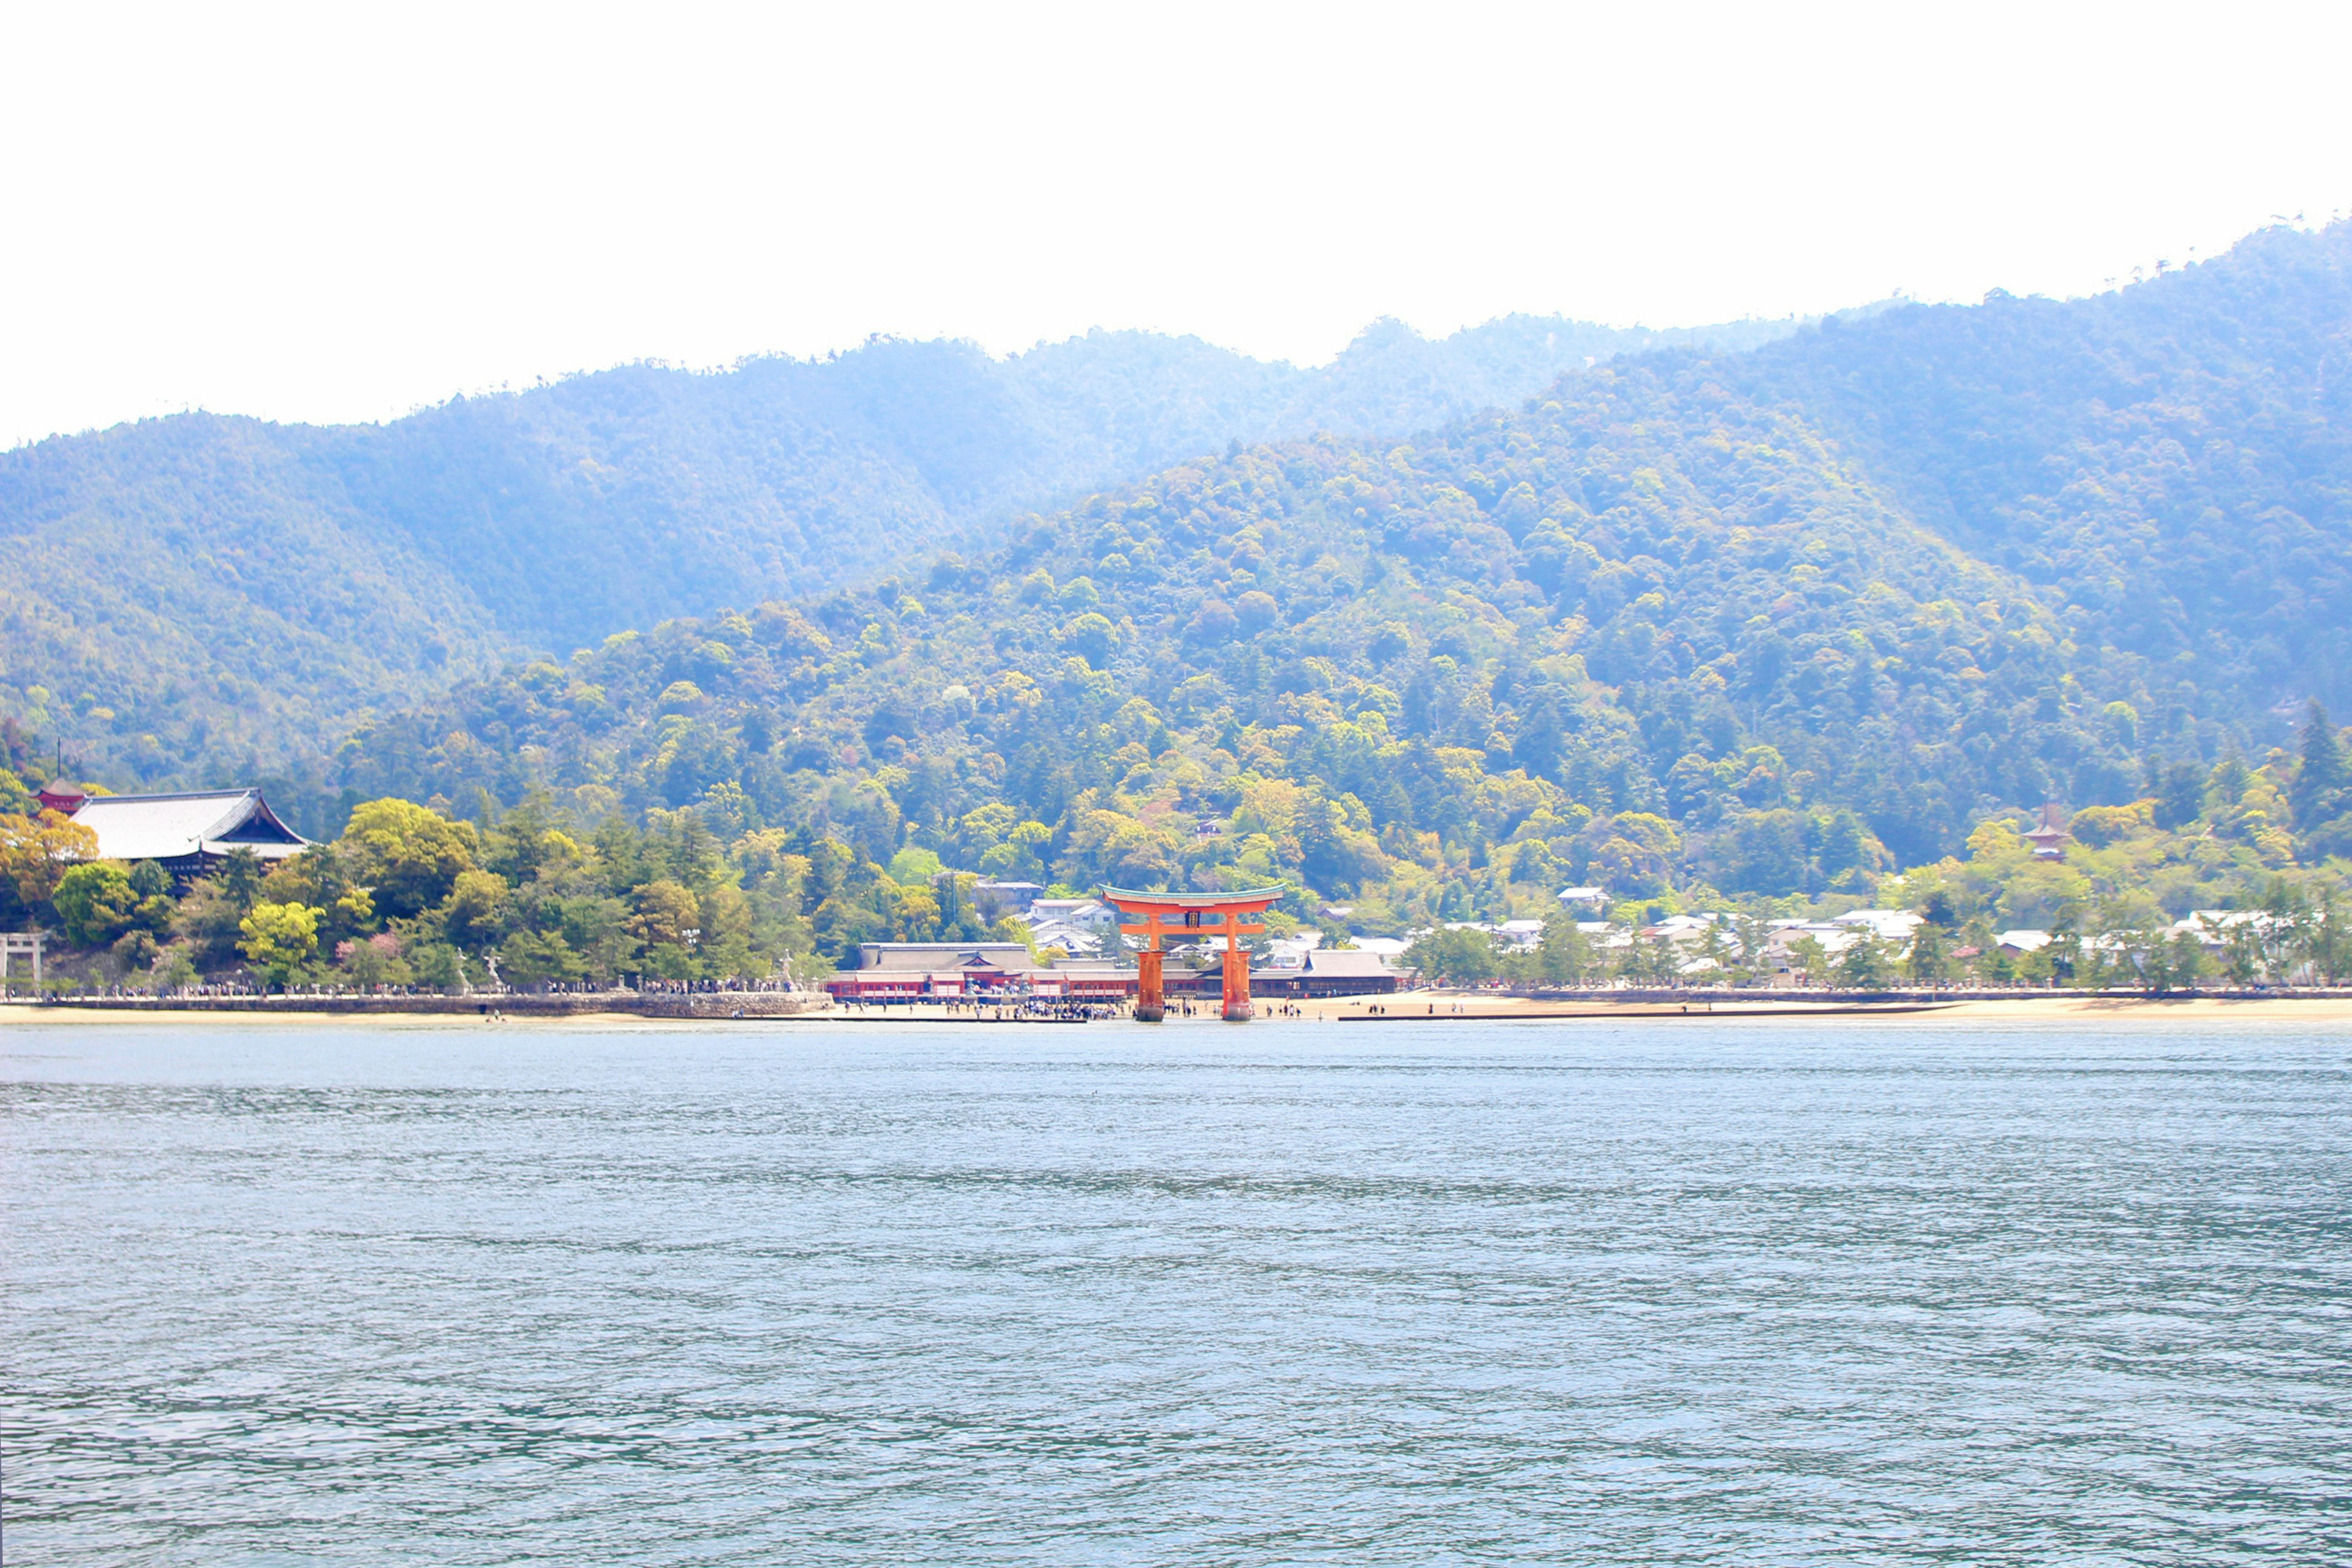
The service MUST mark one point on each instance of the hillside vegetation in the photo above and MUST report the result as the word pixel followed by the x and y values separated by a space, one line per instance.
pixel 1655 630
pixel 1769 627
pixel 198 597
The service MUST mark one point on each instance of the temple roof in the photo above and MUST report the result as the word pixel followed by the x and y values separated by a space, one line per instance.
pixel 919 958
pixel 1345 961
pixel 172 827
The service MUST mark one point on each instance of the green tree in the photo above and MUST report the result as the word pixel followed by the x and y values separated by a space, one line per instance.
pixel 240 878
pixel 135 951
pixel 2321 773
pixel 529 957
pixel 473 914
pixel 1563 957
pixel 373 961
pixel 437 964
pixel 279 941
pixel 667 925
pixel 408 855
pixel 1864 966
pixel 95 903
pixel 173 971
pixel 1093 637
pixel 209 923
pixel 1451 956
pixel 1926 961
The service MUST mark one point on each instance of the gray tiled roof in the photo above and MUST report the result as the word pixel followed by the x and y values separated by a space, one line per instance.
pixel 169 826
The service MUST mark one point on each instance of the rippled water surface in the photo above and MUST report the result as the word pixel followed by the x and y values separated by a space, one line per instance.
pixel 1657 1293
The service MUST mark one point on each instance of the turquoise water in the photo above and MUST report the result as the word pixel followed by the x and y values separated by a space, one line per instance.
pixel 1694 1291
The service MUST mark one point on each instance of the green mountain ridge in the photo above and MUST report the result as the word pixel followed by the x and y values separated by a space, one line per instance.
pixel 1681 617
pixel 199 597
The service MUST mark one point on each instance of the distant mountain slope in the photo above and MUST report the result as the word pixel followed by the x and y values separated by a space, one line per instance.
pixel 1778 613
pixel 200 596
pixel 2173 461
pixel 1561 642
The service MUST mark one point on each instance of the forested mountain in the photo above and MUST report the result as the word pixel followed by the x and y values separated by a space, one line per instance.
pixel 2172 461
pixel 1766 621
pixel 199 596
pixel 1643 600
pixel 1650 631
pixel 1775 621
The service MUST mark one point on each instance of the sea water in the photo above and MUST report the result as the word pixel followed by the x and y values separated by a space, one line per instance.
pixel 1648 1292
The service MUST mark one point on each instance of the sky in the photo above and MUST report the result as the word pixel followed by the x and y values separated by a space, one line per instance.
pixel 343 212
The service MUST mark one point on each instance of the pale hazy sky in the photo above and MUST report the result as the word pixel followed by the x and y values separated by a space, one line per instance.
pixel 343 212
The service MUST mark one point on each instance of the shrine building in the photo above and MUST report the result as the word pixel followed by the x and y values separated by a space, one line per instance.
pixel 189 834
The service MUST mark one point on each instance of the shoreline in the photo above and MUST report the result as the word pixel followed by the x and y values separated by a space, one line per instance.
pixel 1404 1008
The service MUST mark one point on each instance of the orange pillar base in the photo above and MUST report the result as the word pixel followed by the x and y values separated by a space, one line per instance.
pixel 1237 997
pixel 1150 1000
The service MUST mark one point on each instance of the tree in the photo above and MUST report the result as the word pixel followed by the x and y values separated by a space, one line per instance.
pixel 371 962
pixel 1093 637
pixel 208 923
pixel 1864 966
pixel 325 877
pixel 440 965
pixel 2180 795
pixel 529 957
pixel 1927 960
pixel 173 971
pixel 1564 957
pixel 134 951
pixel 95 903
pixel 2320 775
pixel 279 940
pixel 1541 736
pixel 2326 942
pixel 1651 963
pixel 667 924
pixel 240 879
pixel 1453 956
pixel 473 912
pixel 35 852
pixel 2185 962
pixel 409 854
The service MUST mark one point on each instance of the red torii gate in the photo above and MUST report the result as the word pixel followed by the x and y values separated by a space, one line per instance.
pixel 1191 916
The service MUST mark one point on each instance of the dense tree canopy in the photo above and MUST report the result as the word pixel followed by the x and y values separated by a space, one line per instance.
pixel 180 599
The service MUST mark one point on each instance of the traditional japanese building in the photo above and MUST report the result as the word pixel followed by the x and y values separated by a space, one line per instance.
pixel 974 972
pixel 190 833
pixel 2050 837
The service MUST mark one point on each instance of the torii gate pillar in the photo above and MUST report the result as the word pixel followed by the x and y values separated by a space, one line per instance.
pixel 1164 917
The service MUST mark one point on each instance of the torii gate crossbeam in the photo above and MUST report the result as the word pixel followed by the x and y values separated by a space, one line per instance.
pixel 1162 917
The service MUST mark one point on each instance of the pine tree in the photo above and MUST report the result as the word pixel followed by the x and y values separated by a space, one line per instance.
pixel 2317 795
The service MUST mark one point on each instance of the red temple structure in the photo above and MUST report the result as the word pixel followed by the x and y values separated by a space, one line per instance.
pixel 1190 917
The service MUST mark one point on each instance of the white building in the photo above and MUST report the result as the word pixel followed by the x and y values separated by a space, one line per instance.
pixel 1886 925
pixel 1082 914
